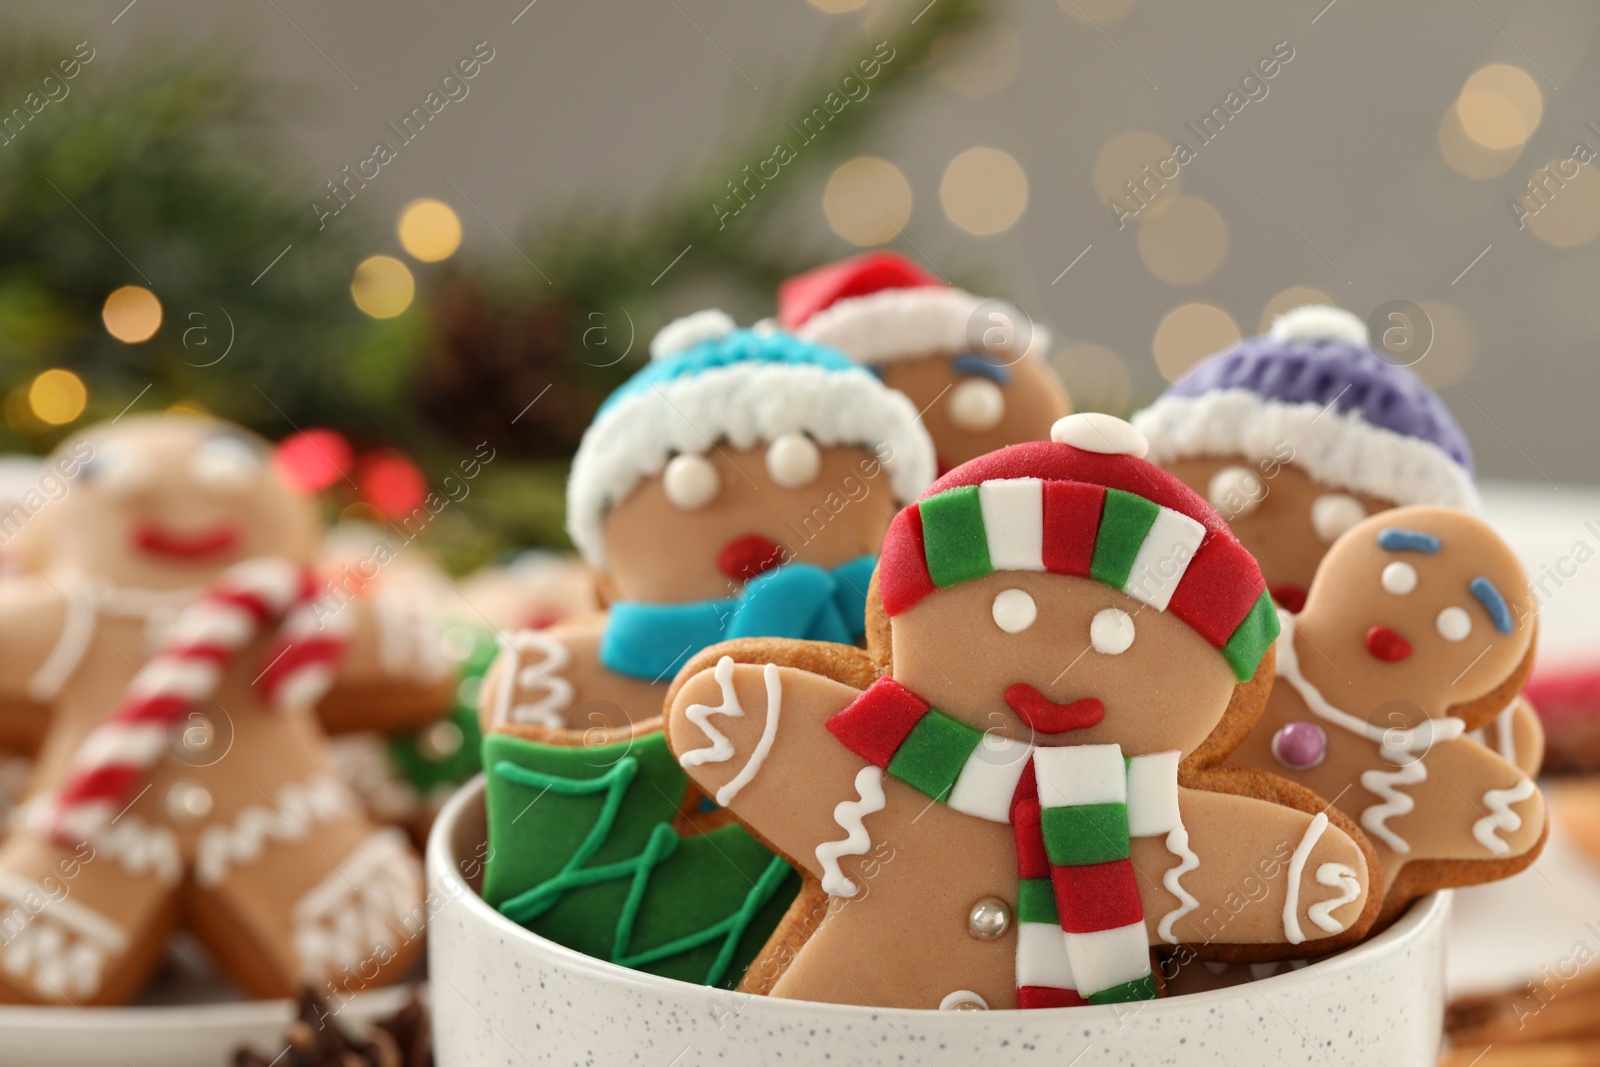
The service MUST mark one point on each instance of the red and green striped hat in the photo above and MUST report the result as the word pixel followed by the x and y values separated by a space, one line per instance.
pixel 1087 504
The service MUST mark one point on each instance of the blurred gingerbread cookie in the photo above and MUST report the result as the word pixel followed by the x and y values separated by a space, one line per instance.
pixel 1032 796
pixel 975 368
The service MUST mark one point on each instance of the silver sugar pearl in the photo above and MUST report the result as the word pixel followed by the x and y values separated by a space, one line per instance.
pixel 963 1000
pixel 990 918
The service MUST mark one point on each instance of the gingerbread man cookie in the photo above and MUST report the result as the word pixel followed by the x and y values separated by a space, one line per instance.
pixel 738 486
pixel 976 369
pixel 173 624
pixel 1031 796
pixel 1419 627
pixel 1297 435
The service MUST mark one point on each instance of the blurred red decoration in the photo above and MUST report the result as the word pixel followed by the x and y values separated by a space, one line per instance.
pixel 313 460
pixel 392 483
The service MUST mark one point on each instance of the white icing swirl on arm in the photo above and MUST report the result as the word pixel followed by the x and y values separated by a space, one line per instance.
pixel 848 814
pixel 721 749
pixel 1297 866
pixel 1334 876
pixel 1178 845
pixel 1500 816
pixel 546 711
pixel 1386 784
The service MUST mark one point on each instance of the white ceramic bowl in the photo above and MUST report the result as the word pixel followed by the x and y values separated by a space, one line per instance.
pixel 503 995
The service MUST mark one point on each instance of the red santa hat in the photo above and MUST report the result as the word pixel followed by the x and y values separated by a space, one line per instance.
pixel 880 307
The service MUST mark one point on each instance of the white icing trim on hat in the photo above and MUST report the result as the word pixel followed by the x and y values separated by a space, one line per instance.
pixel 1320 322
pixel 1339 449
pixel 896 324
pixel 742 404
pixel 684 333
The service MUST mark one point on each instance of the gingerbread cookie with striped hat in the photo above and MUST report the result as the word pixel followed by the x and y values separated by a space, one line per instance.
pixel 173 623
pixel 1031 796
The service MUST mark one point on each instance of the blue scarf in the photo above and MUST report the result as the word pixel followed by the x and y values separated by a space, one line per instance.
pixel 795 600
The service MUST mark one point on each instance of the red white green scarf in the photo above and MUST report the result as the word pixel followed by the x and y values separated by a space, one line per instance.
pixel 1081 936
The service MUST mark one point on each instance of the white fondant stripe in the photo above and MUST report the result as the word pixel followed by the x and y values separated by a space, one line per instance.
pixel 1500 816
pixel 848 814
pixel 1153 794
pixel 143 744
pixel 1159 566
pixel 1042 956
pixel 1013 523
pixel 1107 958
pixel 1081 774
pixel 989 778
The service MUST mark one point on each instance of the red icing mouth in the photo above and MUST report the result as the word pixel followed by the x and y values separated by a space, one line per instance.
pixel 190 547
pixel 1289 597
pixel 1046 716
pixel 745 557
pixel 1387 645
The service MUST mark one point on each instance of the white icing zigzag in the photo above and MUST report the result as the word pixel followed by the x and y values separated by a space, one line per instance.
pixel 1386 784
pixel 1334 876
pixel 1297 866
pixel 545 674
pixel 848 814
pixel 721 749
pixel 300 806
pixel 61 945
pixel 360 908
pixel 1500 816
pixel 1178 845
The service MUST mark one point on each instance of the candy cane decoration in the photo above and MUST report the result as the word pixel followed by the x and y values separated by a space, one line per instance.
pixel 245 601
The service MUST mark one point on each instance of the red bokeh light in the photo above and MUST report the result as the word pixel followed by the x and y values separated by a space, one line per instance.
pixel 313 460
pixel 391 483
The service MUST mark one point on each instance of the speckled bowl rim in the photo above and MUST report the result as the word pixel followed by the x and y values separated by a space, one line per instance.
pixel 1424 916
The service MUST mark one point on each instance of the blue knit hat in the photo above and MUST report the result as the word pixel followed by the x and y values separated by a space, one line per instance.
pixel 709 383
pixel 1312 384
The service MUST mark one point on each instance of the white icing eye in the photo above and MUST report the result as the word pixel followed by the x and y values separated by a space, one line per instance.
pixel 794 460
pixel 1111 632
pixel 226 464
pixel 1334 513
pixel 691 482
pixel 1235 491
pixel 977 404
pixel 118 470
pixel 1399 578
pixel 1014 610
pixel 1454 624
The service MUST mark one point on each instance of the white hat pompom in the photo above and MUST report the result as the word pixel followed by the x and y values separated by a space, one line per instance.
pixel 680 335
pixel 1319 322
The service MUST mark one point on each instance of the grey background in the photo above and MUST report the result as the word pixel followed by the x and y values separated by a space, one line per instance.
pixel 610 102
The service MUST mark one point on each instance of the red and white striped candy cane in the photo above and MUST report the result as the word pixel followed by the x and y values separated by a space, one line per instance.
pixel 248 599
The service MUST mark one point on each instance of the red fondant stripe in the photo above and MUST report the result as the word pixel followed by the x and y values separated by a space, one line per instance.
pixel 877 722
pixel 903 577
pixel 1071 521
pixel 1043 996
pixel 1218 590
pixel 110 781
pixel 1032 860
pixel 1097 896
pixel 258 608
pixel 290 659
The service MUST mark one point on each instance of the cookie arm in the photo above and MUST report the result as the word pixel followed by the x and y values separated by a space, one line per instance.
pixel 752 736
pixel 394 675
pixel 1476 806
pixel 40 632
pixel 1254 873
pixel 552 679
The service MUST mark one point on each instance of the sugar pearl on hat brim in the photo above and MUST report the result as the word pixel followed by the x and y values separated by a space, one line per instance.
pixel 1095 431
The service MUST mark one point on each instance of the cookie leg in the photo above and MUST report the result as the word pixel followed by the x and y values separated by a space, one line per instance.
pixel 336 904
pixel 80 925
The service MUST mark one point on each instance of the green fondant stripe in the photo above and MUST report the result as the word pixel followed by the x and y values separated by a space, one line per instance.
pixel 1252 638
pixel 1085 833
pixel 933 753
pixel 953 536
pixel 1036 902
pixel 1124 522
pixel 1138 989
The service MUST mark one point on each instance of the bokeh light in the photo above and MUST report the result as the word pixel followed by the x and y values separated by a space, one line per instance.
pixel 1566 212
pixel 984 191
pixel 978 62
pixel 382 287
pixel 313 460
pixel 1189 333
pixel 1469 158
pixel 1500 106
pixel 1454 348
pixel 1182 240
pixel 1122 159
pixel 392 483
pixel 1096 12
pixel 429 230
pixel 867 201
pixel 1096 378
pixel 57 396
pixel 1293 297
pixel 131 314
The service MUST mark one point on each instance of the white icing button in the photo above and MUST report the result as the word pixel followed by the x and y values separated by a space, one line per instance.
pixel 118 470
pixel 963 1000
pixel 1235 491
pixel 977 404
pixel 226 464
pixel 1399 578
pixel 188 801
pixel 680 335
pixel 1095 431
pixel 1454 624
pixel 690 481
pixel 1334 513
pixel 1014 610
pixel 441 740
pixel 1111 632
pixel 990 918
pixel 794 460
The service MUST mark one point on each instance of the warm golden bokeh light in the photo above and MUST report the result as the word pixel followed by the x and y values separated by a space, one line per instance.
pixel 1183 240
pixel 1293 297
pixel 1096 378
pixel 429 230
pixel 1096 12
pixel 1566 211
pixel 1189 333
pixel 382 287
pixel 1454 347
pixel 984 191
pixel 867 201
pixel 131 314
pixel 1469 158
pixel 1122 159
pixel 1500 106
pixel 57 397
pixel 978 62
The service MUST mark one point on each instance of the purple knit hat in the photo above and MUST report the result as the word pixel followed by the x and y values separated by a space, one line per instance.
pixel 1353 420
